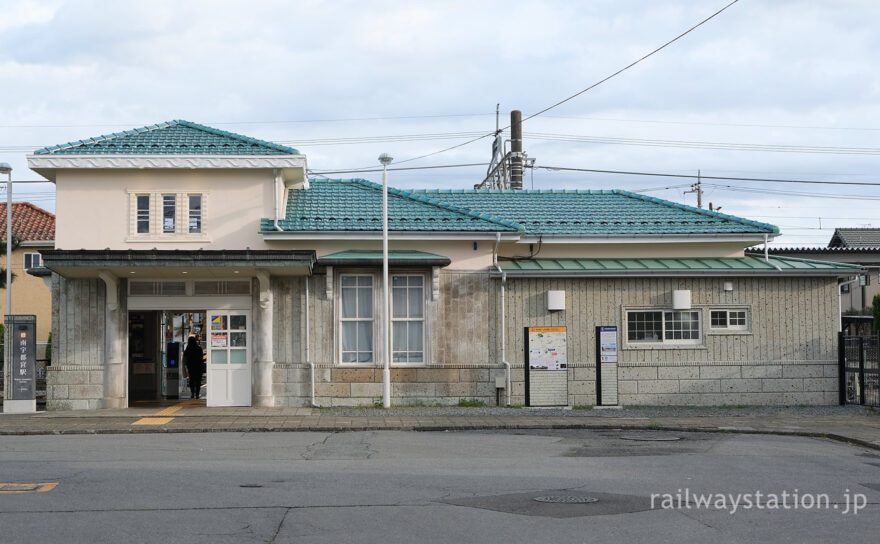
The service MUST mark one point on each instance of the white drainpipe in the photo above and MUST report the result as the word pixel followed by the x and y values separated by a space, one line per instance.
pixel 308 346
pixel 767 255
pixel 503 282
pixel 275 192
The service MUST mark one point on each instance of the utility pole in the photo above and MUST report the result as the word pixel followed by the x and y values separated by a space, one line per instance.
pixel 516 157
pixel 697 188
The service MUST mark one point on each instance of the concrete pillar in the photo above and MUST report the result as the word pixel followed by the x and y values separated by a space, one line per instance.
pixel 114 366
pixel 263 355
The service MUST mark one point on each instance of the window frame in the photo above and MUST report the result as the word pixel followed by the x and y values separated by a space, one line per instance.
pixel 727 328
pixel 154 216
pixel 340 319
pixel 422 319
pixel 663 342
pixel 189 213
pixel 24 260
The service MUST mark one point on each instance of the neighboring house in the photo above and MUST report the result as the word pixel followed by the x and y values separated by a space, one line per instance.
pixel 209 233
pixel 860 246
pixel 34 227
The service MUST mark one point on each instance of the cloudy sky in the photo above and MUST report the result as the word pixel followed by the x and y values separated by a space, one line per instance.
pixel 773 89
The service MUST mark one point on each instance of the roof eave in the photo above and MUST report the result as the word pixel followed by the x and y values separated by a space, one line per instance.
pixel 392 235
pixel 643 238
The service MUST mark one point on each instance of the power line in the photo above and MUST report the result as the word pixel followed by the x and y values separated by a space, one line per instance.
pixel 710 123
pixel 723 178
pixel 627 67
pixel 323 172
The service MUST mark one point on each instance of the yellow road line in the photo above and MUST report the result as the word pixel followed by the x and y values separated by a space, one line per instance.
pixel 28 488
pixel 153 421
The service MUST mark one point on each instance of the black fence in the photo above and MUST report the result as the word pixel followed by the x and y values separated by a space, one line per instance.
pixel 859 360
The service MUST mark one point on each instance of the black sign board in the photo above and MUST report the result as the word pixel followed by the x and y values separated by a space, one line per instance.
pixel 21 331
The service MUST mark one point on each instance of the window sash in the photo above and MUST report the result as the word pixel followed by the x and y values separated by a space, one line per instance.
pixel 143 214
pixel 408 318
pixel 729 319
pixel 32 260
pixel 356 331
pixel 195 213
pixel 664 326
pixel 169 210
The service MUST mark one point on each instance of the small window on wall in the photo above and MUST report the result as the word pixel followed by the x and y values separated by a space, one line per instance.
pixel 169 210
pixel 195 214
pixel 664 327
pixel 143 214
pixel 731 320
pixel 32 260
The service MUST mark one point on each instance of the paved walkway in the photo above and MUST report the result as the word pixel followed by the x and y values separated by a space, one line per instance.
pixel 862 427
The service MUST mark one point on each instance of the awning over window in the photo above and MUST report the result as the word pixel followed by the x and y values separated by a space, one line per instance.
pixel 160 263
pixel 358 257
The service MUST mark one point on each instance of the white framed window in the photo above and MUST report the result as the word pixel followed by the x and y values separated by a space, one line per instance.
pixel 143 214
pixel 735 319
pixel 356 318
pixel 169 213
pixel 159 215
pixel 194 203
pixel 32 260
pixel 408 318
pixel 664 326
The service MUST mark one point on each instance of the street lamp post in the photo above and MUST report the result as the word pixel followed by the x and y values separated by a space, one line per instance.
pixel 386 159
pixel 6 169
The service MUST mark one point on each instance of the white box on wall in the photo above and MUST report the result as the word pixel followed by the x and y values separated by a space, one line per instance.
pixel 681 299
pixel 555 301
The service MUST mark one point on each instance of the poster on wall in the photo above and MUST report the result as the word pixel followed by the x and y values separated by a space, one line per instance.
pixel 547 348
pixel 218 340
pixel 608 344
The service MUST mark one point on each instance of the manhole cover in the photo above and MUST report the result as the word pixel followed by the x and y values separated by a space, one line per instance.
pixel 567 500
pixel 650 438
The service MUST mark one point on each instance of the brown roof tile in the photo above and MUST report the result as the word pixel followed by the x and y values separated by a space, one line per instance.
pixel 29 222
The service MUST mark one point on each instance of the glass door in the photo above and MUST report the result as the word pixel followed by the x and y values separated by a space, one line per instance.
pixel 229 361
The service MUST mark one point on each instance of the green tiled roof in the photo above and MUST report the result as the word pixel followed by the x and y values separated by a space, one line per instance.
pixel 585 212
pixel 716 266
pixel 370 257
pixel 170 138
pixel 356 205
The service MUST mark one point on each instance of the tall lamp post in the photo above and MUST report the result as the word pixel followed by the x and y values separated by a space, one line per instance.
pixel 386 159
pixel 6 169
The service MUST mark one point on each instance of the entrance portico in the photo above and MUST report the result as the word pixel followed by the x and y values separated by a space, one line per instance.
pixel 94 292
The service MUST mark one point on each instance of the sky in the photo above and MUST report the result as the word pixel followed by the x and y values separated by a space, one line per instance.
pixel 772 89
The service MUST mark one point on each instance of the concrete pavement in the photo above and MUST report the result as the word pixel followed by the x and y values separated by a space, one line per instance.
pixel 188 416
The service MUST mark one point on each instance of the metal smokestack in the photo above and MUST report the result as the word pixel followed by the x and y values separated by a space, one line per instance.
pixel 516 146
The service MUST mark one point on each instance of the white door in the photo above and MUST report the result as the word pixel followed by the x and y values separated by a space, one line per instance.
pixel 229 358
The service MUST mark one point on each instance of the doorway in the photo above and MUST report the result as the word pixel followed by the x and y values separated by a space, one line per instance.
pixel 152 374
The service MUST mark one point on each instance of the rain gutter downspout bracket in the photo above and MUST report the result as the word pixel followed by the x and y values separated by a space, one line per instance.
pixel 767 255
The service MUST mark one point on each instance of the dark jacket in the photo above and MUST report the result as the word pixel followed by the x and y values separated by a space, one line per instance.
pixel 193 358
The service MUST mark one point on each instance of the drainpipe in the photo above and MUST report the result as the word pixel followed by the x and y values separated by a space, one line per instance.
pixel 308 346
pixel 503 282
pixel 277 176
pixel 767 255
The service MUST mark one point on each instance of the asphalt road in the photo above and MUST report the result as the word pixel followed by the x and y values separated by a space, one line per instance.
pixel 462 487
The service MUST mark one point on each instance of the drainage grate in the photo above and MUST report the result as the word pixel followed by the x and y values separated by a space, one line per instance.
pixel 650 438
pixel 250 485
pixel 567 500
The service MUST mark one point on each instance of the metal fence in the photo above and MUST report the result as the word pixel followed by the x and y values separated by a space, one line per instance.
pixel 859 360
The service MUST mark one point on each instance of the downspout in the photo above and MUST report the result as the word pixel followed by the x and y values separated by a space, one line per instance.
pixel 767 255
pixel 276 175
pixel 503 282
pixel 308 346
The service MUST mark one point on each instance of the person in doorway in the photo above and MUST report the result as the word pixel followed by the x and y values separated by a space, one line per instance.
pixel 193 357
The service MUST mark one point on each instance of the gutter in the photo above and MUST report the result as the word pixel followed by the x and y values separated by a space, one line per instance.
pixel 767 255
pixel 503 283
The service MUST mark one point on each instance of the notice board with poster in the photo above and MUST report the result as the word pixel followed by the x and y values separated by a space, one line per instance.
pixel 606 365
pixel 546 358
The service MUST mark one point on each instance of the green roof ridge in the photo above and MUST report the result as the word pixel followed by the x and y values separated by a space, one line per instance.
pixel 443 205
pixel 772 228
pixel 159 126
